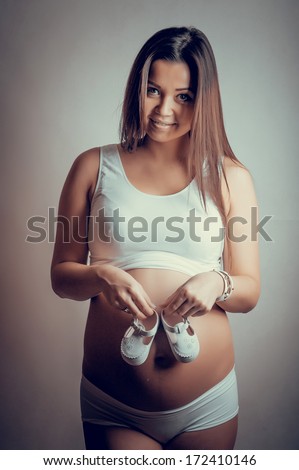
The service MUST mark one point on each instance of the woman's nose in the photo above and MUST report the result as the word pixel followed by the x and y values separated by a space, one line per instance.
pixel 165 106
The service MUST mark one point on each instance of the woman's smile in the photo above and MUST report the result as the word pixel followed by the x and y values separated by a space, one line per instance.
pixel 161 124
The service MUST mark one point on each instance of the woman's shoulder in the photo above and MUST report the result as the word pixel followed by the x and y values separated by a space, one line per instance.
pixel 235 171
pixel 90 158
pixel 85 168
pixel 86 164
pixel 87 159
pixel 238 184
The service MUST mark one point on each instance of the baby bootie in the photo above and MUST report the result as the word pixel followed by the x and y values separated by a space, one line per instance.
pixel 137 341
pixel 182 340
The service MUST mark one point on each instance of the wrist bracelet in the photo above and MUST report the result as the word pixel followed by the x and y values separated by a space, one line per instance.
pixel 228 285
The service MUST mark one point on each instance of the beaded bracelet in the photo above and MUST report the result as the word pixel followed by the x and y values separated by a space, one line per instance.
pixel 228 285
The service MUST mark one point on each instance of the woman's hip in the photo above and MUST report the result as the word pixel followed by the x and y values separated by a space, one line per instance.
pixel 216 406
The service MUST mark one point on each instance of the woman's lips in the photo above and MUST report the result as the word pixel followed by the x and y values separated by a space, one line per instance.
pixel 162 123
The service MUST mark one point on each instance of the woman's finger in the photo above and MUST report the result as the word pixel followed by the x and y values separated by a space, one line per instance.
pixel 175 303
pixel 195 311
pixel 133 307
pixel 148 301
pixel 185 309
pixel 144 306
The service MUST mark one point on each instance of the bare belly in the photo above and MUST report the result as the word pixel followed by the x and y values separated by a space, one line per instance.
pixel 161 382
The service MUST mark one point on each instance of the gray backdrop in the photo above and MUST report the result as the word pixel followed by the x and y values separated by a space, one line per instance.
pixel 64 65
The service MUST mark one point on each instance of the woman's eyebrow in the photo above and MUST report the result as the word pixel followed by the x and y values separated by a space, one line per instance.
pixel 150 82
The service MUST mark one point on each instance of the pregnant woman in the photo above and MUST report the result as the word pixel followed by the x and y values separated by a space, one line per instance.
pixel 151 232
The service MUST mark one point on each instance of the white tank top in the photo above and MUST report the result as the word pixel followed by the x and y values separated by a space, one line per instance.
pixel 132 229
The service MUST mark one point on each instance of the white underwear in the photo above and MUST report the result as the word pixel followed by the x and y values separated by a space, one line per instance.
pixel 216 406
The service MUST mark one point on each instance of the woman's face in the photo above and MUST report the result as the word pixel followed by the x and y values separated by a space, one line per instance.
pixel 169 102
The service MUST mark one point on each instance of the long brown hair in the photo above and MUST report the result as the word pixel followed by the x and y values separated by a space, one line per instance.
pixel 208 139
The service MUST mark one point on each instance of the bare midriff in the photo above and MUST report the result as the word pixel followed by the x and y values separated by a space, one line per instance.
pixel 162 382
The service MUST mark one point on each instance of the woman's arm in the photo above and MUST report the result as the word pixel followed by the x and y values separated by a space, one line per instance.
pixel 241 255
pixel 71 277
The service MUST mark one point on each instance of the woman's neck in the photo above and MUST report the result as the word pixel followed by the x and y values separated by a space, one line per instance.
pixel 175 150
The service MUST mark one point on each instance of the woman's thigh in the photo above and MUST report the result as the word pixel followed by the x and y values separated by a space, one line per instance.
pixel 220 437
pixel 116 438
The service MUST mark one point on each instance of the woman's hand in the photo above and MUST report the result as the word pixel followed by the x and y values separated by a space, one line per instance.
pixel 196 296
pixel 122 291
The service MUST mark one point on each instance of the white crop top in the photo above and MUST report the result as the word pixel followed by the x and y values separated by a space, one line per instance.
pixel 132 229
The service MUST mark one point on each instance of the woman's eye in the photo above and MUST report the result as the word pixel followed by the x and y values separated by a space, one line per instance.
pixel 184 97
pixel 152 91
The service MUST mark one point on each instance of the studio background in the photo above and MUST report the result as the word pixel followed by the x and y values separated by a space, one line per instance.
pixel 63 68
